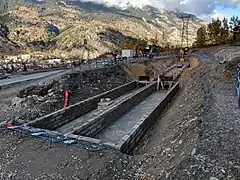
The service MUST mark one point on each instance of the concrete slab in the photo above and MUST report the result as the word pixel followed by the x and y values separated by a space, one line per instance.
pixel 116 131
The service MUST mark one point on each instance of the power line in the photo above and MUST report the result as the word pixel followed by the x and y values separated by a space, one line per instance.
pixel 185 22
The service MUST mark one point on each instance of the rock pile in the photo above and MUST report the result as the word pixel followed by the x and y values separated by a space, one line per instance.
pixel 38 100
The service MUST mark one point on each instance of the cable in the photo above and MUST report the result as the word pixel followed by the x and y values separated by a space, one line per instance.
pixel 84 144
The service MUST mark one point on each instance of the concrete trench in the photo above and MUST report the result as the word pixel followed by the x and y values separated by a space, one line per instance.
pixel 120 125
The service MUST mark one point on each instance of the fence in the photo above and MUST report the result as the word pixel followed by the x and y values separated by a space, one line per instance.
pixel 238 84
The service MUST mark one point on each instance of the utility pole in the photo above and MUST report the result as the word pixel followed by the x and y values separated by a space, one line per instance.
pixel 184 35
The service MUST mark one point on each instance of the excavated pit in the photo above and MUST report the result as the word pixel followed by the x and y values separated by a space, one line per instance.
pixel 130 111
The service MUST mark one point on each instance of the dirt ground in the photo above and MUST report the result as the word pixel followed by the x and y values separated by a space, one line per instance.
pixel 6 95
pixel 147 68
pixel 197 137
pixel 38 100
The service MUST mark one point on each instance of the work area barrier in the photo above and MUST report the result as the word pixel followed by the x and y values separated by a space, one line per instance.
pixel 238 84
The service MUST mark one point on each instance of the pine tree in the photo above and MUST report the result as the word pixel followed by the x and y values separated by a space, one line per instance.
pixel 201 37
pixel 235 28
pixel 234 22
pixel 4 31
pixel 225 32
pixel 214 31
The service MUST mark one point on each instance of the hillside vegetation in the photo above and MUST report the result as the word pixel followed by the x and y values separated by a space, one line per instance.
pixel 105 29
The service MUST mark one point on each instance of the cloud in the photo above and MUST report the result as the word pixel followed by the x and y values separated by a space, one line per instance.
pixel 218 15
pixel 197 7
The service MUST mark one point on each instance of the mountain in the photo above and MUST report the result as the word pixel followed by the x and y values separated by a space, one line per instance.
pixel 105 28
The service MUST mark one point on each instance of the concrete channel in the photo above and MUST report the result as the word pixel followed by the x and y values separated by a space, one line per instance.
pixel 120 125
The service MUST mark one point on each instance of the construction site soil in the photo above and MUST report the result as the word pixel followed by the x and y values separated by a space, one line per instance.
pixel 197 137
pixel 38 100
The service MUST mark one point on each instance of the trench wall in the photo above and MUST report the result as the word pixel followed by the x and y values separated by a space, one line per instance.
pixel 92 127
pixel 129 141
pixel 63 116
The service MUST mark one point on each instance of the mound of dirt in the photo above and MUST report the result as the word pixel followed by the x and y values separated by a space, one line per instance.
pixel 147 68
pixel 38 100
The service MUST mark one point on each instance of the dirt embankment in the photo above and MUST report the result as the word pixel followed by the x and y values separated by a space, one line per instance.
pixel 198 136
pixel 38 100
pixel 147 68
pixel 175 134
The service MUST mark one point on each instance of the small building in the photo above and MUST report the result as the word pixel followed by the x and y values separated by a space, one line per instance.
pixel 57 60
pixel 54 61
pixel 39 57
pixel 11 58
pixel 25 56
pixel 128 53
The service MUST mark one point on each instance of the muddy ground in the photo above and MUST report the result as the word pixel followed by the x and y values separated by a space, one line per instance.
pixel 196 138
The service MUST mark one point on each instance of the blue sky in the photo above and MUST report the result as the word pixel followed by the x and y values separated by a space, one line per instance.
pixel 204 9
pixel 228 12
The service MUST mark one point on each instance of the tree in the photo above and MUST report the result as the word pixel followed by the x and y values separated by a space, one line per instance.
pixel 234 22
pixel 235 28
pixel 164 38
pixel 4 31
pixel 137 44
pixel 129 44
pixel 214 31
pixel 225 31
pixel 154 40
pixel 140 46
pixel 52 31
pixel 201 37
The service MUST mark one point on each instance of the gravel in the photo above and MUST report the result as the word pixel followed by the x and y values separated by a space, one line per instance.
pixel 217 148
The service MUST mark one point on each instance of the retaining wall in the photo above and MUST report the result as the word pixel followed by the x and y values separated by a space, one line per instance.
pixel 129 141
pixel 63 116
pixel 93 126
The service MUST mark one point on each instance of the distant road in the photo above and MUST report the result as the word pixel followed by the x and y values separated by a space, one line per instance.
pixel 6 83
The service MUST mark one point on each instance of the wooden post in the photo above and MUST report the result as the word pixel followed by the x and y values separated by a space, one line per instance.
pixel 158 81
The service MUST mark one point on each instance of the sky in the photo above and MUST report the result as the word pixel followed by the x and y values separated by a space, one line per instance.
pixel 227 12
pixel 205 9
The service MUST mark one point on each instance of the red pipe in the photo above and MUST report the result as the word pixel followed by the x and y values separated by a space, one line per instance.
pixel 66 101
